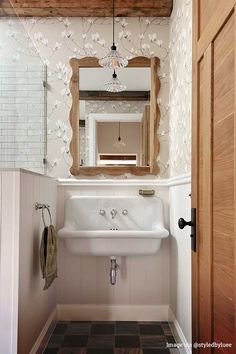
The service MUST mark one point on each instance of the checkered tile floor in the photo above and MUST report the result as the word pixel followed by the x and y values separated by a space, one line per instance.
pixel 110 338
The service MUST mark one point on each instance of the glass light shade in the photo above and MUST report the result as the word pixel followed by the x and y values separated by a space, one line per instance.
pixel 113 60
pixel 114 85
pixel 119 144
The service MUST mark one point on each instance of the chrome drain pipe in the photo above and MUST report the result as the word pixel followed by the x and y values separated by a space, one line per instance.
pixel 113 270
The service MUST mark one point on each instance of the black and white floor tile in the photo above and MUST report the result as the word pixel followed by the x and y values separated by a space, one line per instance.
pixel 111 338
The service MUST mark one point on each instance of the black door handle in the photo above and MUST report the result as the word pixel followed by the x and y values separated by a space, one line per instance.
pixel 182 223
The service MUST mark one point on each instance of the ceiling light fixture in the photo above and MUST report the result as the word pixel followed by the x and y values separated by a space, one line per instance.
pixel 113 59
pixel 114 85
pixel 119 143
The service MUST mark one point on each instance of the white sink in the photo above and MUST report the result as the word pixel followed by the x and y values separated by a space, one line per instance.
pixel 87 232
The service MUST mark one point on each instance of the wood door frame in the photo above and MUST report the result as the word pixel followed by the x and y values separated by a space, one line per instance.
pixel 202 50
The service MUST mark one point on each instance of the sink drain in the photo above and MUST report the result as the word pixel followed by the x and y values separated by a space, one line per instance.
pixel 113 270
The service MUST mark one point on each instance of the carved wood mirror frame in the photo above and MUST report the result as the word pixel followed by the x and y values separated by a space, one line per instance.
pixel 92 62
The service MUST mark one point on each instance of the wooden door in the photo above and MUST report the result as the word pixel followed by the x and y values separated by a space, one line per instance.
pixel 213 172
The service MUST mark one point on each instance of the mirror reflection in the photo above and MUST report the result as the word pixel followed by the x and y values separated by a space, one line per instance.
pixel 114 127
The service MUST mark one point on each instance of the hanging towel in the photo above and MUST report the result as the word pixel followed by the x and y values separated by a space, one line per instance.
pixel 48 255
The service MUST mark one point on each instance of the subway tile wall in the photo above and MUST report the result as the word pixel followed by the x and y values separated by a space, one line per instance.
pixel 22 116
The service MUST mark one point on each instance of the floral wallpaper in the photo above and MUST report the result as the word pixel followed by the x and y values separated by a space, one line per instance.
pixel 180 87
pixel 56 40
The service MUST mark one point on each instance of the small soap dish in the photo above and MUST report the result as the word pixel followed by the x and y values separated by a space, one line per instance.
pixel 147 192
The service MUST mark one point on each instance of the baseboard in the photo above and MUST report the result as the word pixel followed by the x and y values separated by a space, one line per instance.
pixel 112 312
pixel 43 337
pixel 178 334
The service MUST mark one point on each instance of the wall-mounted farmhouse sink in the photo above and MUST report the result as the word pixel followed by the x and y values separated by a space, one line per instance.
pixel 118 226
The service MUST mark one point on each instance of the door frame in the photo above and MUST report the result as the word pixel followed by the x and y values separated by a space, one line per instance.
pixel 203 47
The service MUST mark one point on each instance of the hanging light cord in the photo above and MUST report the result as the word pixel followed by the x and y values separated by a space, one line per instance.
pixel 113 15
pixel 119 138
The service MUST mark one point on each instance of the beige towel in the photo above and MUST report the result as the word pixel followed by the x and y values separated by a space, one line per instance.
pixel 48 255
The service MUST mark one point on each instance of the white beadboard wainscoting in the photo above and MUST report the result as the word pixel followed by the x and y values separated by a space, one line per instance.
pixel 84 280
pixel 147 285
pixel 180 262
pixel 24 306
pixel 148 288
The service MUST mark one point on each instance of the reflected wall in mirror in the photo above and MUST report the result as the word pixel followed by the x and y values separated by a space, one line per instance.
pixel 114 133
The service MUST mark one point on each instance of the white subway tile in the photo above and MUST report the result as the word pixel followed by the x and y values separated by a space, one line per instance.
pixel 22 93
pixel 35 87
pixel 6 113
pixel 17 132
pixel 29 74
pixel 4 74
pixel 8 68
pixel 22 164
pixel 7 164
pixel 8 87
pixel 8 93
pixel 34 158
pixel 7 106
pixel 39 94
pixel 33 138
pixel 7 80
pixel 20 158
pixel 4 138
pixel 6 99
pixel 34 132
pixel 28 151
pixel 8 151
pixel 22 116
pixel 28 100
pixel 21 106
pixel 21 80
pixel 7 158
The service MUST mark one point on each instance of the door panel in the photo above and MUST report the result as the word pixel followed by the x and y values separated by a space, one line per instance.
pixel 213 174
pixel 223 184
pixel 206 9
pixel 204 219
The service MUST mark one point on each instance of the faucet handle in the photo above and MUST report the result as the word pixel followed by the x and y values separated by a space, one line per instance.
pixel 113 213
pixel 102 212
pixel 125 212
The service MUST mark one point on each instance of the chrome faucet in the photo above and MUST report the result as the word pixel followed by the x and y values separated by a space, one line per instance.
pixel 113 213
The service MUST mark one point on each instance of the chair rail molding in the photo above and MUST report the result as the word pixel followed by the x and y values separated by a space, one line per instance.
pixel 168 182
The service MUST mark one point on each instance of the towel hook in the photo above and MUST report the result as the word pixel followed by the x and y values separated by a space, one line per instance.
pixel 43 207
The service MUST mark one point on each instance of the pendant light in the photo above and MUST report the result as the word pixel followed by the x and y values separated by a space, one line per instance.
pixel 119 143
pixel 113 59
pixel 114 85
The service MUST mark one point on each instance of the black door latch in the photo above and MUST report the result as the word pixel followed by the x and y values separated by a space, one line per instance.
pixel 182 223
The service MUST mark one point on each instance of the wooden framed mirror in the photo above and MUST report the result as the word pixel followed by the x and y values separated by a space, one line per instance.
pixel 102 151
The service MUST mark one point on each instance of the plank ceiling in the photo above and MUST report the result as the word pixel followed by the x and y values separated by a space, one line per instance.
pixel 87 8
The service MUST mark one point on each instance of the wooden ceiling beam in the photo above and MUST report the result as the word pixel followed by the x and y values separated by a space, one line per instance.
pixel 110 96
pixel 91 3
pixel 86 8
